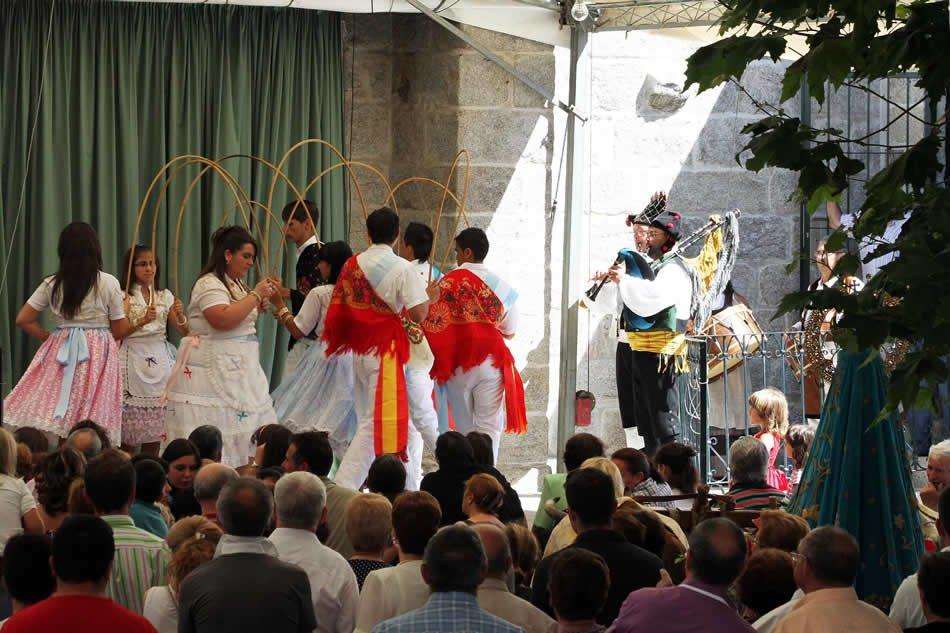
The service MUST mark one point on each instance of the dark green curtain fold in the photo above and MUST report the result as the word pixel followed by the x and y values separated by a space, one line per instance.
pixel 129 86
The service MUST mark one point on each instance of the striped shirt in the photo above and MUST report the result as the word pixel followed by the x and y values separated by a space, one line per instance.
pixel 755 497
pixel 141 562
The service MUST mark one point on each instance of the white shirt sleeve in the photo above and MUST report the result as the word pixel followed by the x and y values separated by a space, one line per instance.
pixel 412 290
pixel 210 292
pixel 308 317
pixel 112 297
pixel 670 288
pixel 906 610
pixel 40 299
pixel 509 322
pixel 27 502
pixel 349 602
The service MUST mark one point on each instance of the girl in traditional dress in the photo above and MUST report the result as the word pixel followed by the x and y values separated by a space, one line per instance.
pixel 217 378
pixel 75 373
pixel 318 394
pixel 145 355
pixel 768 409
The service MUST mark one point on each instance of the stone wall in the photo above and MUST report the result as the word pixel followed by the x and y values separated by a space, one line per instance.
pixel 421 95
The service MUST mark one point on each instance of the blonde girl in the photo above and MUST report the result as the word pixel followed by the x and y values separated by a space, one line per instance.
pixel 768 409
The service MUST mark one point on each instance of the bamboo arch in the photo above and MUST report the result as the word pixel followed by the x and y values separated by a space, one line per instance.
pixel 257 215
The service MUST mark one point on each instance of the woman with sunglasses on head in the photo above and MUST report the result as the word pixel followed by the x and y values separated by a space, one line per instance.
pixel 217 378
pixel 146 356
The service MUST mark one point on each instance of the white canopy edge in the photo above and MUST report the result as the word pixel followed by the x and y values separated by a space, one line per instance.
pixel 504 16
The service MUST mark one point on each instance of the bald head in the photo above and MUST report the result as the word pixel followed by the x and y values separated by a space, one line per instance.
pixel 86 441
pixel 211 479
pixel 497 549
pixel 717 552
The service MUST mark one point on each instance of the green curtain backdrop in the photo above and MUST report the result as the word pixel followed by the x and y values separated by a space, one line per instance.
pixel 131 85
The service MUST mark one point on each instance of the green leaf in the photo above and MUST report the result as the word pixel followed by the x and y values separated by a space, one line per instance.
pixel 727 59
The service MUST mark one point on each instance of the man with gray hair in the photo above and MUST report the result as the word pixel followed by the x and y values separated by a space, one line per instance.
pixel 86 441
pixel 301 500
pixel 246 588
pixel 454 566
pixel 493 594
pixel 209 482
pixel 826 565
pixel 748 463
pixel 938 480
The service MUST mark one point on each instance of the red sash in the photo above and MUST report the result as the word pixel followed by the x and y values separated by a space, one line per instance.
pixel 359 321
pixel 462 329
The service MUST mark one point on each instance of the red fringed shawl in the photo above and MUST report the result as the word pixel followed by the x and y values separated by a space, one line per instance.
pixel 462 329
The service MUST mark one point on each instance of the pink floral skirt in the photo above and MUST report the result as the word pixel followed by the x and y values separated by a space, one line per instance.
pixel 95 393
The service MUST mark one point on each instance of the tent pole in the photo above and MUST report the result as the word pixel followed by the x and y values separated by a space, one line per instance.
pixel 547 93
pixel 574 244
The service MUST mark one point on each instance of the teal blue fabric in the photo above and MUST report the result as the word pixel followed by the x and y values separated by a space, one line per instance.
pixel 148 517
pixel 857 477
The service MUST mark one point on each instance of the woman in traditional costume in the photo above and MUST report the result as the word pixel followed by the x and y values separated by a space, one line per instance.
pixel 75 373
pixel 318 394
pixel 145 355
pixel 217 378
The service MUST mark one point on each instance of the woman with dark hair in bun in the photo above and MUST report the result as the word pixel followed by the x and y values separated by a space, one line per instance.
pixel 218 378
pixel 57 472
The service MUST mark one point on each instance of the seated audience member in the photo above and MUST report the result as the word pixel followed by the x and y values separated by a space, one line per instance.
pixel 27 576
pixel 79 502
pixel 826 564
pixel 150 477
pixel 24 463
pixel 209 482
pixel 453 569
pixel 141 558
pixel 86 443
pixel 640 478
pixel 209 441
pixel 387 476
pixel 311 452
pixel 579 585
pixel 193 526
pixel 716 558
pixel 272 445
pixel 781 530
pixel 579 448
pixel 482 448
pixel 482 499
pixel 493 594
pixel 748 463
pixel 183 461
pixel 457 464
pixel 524 557
pixel 270 476
pixel 642 526
pixel 563 533
pixel 300 500
pixel 767 583
pixel 674 462
pixel 82 557
pixel 906 610
pixel 591 501
pixel 245 587
pixel 56 475
pixel 938 480
pixel 37 442
pixel 396 590
pixel 161 603
pixel 798 440
pixel 369 526
pixel 933 579
pixel 18 511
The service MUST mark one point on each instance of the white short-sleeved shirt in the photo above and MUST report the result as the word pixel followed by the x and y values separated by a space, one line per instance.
pixel 15 501
pixel 102 304
pixel 423 269
pixel 313 312
pixel 138 305
pixel 209 291
pixel 401 286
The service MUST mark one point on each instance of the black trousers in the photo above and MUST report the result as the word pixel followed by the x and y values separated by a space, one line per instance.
pixel 648 398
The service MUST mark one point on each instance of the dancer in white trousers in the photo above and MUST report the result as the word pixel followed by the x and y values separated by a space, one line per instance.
pixel 376 302
pixel 466 328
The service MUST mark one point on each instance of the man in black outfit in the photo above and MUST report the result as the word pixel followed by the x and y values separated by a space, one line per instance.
pixel 246 587
pixel 300 220
pixel 591 504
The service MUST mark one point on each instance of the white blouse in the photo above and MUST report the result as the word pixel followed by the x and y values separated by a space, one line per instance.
pixel 102 304
pixel 313 313
pixel 138 305
pixel 208 292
